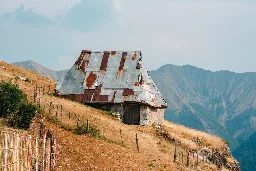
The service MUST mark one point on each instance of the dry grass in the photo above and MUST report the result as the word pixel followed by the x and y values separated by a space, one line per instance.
pixel 84 152
pixel 189 136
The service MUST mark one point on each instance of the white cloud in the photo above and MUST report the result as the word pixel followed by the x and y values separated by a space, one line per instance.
pixel 65 62
pixel 117 6
pixel 48 8
pixel 211 34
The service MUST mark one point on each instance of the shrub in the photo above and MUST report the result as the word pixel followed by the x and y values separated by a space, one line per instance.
pixel 15 107
pixel 26 113
pixel 10 99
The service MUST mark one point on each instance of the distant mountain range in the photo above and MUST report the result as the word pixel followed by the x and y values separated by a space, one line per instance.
pixel 246 154
pixel 31 65
pixel 222 103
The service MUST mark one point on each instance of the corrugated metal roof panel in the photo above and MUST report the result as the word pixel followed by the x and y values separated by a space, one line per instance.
pixel 111 77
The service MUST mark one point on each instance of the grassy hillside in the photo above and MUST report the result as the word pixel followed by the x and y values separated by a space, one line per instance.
pixel 104 149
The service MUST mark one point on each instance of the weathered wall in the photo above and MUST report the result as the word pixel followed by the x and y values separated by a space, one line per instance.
pixel 149 115
pixel 118 108
pixel 156 116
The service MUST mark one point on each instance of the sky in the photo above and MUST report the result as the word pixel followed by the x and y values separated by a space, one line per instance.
pixel 210 34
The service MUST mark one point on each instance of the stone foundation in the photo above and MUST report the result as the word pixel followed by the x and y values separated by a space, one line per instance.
pixel 151 116
pixel 148 115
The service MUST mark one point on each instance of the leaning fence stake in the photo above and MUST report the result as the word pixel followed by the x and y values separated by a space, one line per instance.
pixel 39 105
pixel 102 132
pixel 50 108
pixel 5 164
pixel 57 111
pixel 137 142
pixel 43 90
pixel 197 159
pixel 188 160
pixel 35 94
pixel 175 151
pixel 121 135
pixel 36 154
pixel 88 126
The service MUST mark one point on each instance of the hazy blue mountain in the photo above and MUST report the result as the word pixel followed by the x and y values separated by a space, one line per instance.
pixel 31 65
pixel 246 154
pixel 222 103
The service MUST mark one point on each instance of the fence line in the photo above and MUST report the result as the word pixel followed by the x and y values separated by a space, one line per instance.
pixel 18 153
pixel 55 110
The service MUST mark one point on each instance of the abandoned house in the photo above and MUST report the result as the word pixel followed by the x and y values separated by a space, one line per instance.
pixel 115 81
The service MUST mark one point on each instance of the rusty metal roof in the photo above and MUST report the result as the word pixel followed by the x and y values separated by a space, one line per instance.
pixel 111 77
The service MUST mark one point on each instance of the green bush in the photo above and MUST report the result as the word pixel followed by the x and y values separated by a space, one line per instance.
pixel 26 113
pixel 10 99
pixel 14 106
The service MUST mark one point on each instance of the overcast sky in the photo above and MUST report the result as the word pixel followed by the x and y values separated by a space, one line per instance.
pixel 210 34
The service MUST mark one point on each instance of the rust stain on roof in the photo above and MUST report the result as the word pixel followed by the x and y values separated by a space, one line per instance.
pixel 113 53
pixel 96 94
pixel 114 96
pixel 104 62
pixel 121 66
pixel 86 51
pixel 91 80
pixel 134 56
pixel 83 60
pixel 137 84
pixel 120 78
pixel 127 92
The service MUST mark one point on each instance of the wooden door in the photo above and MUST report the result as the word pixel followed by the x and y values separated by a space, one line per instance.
pixel 132 113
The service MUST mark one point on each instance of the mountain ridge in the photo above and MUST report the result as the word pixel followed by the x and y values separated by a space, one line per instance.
pixel 32 65
pixel 223 95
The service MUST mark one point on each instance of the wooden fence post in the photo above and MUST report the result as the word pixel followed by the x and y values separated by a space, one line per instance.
pixel 53 153
pixel 88 126
pixel 60 112
pixel 121 135
pixel 36 154
pixel 175 151
pixel 35 94
pixel 50 108
pixel 137 143
pixel 49 89
pixel 39 105
pixel 17 146
pixel 43 90
pixel 39 91
pixel 29 152
pixel 57 111
pixel 181 156
pixel 197 159
pixel 44 107
pixel 5 164
pixel 188 159
pixel 44 152
pixel 102 132
pixel 69 118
